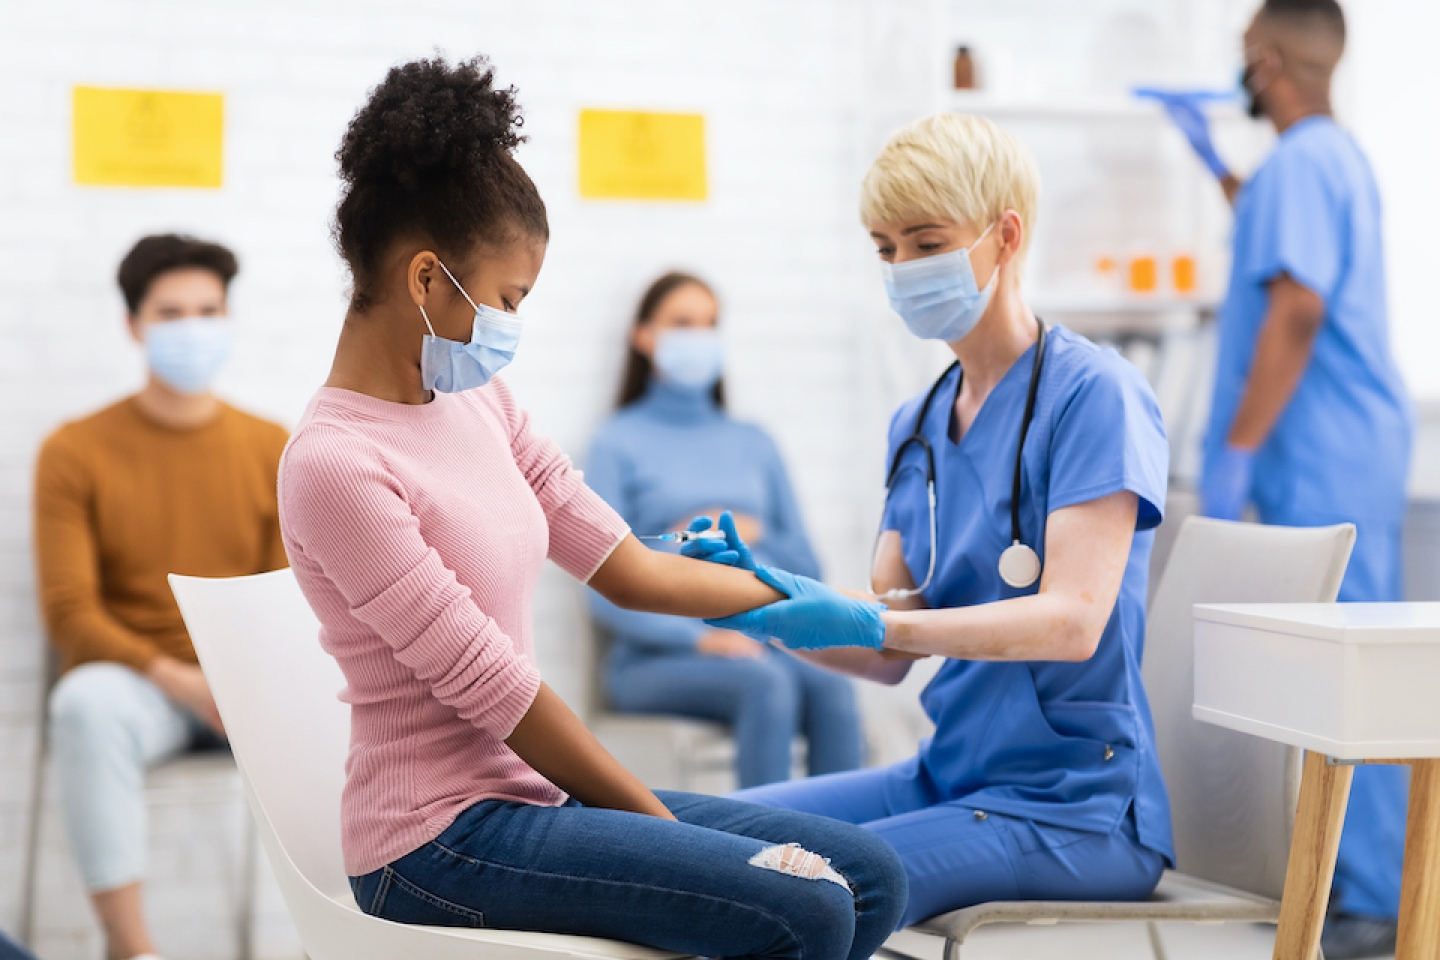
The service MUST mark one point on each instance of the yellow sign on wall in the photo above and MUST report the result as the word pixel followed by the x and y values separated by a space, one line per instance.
pixel 628 155
pixel 148 138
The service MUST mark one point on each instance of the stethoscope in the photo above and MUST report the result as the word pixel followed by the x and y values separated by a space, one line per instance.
pixel 1019 563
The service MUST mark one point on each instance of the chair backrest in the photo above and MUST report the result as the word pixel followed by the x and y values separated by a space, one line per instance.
pixel 277 692
pixel 1232 796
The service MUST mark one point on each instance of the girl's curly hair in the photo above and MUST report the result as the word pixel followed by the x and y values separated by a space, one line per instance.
pixel 429 156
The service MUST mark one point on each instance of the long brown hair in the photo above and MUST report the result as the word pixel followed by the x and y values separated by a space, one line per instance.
pixel 638 367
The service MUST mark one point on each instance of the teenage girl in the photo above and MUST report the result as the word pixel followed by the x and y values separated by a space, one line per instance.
pixel 418 507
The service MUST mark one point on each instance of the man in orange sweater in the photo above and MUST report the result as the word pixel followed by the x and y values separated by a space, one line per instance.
pixel 170 480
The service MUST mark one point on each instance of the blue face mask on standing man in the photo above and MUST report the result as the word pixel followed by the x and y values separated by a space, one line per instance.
pixel 938 297
pixel 450 366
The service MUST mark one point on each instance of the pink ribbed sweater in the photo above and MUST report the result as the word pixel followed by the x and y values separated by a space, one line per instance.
pixel 417 534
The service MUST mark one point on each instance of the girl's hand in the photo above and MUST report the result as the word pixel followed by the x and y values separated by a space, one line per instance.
pixel 730 645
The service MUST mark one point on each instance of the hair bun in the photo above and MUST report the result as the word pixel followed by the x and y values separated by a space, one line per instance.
pixel 428 119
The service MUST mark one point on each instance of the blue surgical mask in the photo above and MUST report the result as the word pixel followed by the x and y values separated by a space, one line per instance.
pixel 449 366
pixel 690 357
pixel 937 296
pixel 186 354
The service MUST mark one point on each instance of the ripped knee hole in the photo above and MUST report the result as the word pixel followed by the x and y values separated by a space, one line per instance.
pixel 795 860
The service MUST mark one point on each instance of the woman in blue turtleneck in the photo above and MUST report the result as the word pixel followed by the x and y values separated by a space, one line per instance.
pixel 669 454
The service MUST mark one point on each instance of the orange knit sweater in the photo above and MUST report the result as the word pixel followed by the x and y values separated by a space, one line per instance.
pixel 121 501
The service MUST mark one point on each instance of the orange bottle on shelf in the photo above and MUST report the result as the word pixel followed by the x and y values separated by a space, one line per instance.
pixel 1143 274
pixel 1182 273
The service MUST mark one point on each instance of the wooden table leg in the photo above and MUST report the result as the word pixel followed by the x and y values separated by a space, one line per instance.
pixel 1324 793
pixel 1420 887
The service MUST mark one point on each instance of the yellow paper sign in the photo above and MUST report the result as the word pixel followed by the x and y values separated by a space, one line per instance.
pixel 627 155
pixel 148 138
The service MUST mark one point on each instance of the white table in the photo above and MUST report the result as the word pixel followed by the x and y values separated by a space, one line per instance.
pixel 1349 683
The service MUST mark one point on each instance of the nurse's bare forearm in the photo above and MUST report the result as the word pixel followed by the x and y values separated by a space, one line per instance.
pixel 1038 627
pixel 638 578
pixel 553 741
pixel 1282 353
pixel 1087 547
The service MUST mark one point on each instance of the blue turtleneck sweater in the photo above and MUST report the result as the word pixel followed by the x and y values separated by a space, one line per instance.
pixel 669 455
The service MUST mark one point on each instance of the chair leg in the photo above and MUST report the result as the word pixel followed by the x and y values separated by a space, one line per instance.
pixel 32 838
pixel 1157 943
pixel 245 909
pixel 952 949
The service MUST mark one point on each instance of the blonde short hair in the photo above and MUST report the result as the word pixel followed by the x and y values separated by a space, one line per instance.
pixel 957 166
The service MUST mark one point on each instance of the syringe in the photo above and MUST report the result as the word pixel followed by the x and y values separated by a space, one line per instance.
pixel 685 536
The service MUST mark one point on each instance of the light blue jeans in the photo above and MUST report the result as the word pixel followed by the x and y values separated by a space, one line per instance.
pixel 764 701
pixel 108 724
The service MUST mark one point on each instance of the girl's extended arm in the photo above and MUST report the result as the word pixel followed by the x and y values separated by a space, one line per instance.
pixel 638 578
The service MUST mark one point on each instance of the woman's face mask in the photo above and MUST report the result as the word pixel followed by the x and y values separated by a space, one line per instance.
pixel 690 357
pixel 938 297
pixel 450 366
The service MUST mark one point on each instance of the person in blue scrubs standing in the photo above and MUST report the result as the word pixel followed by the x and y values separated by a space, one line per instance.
pixel 672 451
pixel 1310 421
pixel 1041 780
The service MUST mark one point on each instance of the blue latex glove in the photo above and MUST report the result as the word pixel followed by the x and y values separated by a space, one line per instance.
pixel 1184 108
pixel 1225 485
pixel 732 551
pixel 813 617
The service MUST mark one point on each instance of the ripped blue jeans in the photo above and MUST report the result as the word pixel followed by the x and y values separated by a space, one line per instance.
pixel 723 882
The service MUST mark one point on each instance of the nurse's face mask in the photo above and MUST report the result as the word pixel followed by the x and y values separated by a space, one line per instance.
pixel 450 366
pixel 938 297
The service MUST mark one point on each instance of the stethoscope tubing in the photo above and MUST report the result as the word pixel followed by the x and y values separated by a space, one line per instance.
pixel 917 437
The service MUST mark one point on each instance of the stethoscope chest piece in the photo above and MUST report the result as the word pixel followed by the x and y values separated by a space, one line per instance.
pixel 1019 566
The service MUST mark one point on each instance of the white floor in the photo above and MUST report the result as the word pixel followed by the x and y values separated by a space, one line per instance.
pixel 1099 941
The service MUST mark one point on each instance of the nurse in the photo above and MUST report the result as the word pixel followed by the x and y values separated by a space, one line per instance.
pixel 1310 421
pixel 1041 780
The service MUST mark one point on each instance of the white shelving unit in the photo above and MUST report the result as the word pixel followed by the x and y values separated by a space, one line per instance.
pixel 1078 110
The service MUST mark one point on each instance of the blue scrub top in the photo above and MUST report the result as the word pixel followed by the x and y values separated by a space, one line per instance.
pixel 1341 448
pixel 1068 744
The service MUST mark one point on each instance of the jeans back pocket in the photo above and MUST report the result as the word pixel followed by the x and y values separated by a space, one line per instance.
pixel 402 901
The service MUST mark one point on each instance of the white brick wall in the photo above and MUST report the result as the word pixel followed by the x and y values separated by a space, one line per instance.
pixel 782 86
pixel 797 96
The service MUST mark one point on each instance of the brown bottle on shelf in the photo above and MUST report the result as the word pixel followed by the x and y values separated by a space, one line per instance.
pixel 964 69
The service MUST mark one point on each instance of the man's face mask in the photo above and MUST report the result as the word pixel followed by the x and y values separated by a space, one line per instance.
pixel 186 354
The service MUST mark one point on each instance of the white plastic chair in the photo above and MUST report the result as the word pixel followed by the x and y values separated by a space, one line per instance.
pixel 1232 797
pixel 277 692
pixel 665 752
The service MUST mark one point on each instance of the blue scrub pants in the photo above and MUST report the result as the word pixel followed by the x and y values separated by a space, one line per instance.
pixel 957 856
pixel 765 701
pixel 1372 846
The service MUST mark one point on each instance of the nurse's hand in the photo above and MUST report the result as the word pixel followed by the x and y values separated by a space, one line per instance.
pixel 1186 111
pixel 732 551
pixel 1225 483
pixel 812 617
